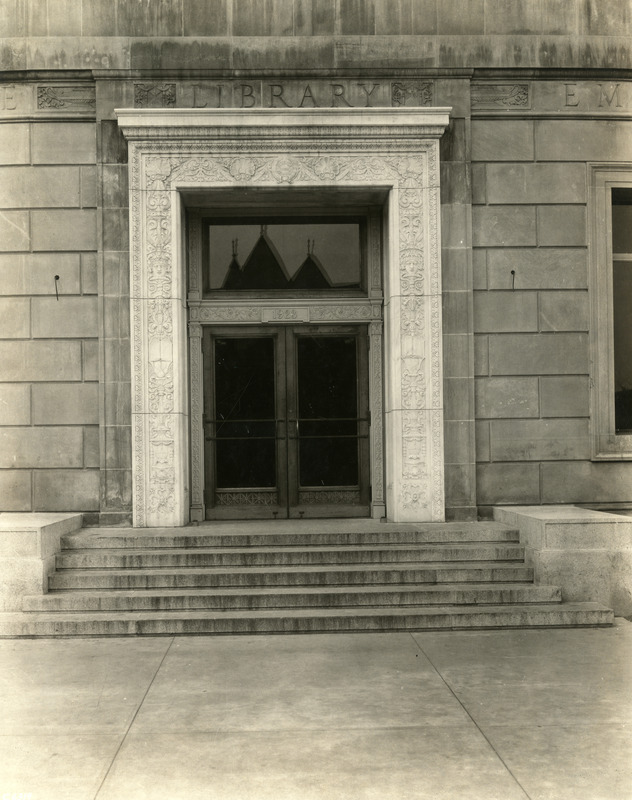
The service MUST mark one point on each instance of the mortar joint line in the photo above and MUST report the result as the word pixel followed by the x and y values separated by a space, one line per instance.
pixel 133 720
pixel 476 725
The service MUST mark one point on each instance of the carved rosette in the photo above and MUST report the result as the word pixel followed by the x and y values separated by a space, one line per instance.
pixel 373 157
pixel 411 93
pixel 413 350
pixel 226 314
pixel 162 443
pixel 417 486
pixel 339 497
pixel 340 313
pixel 334 312
pixel 414 447
pixel 160 383
pixel 159 95
pixel 232 499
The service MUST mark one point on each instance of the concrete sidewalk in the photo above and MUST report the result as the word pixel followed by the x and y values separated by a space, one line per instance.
pixel 540 714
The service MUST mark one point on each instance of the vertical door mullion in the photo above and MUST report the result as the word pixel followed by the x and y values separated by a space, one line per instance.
pixel 282 419
pixel 208 414
pixel 292 417
pixel 362 367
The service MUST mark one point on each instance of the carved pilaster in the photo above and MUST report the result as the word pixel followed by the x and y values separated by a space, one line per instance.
pixel 197 421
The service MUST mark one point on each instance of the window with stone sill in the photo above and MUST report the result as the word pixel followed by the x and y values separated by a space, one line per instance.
pixel 611 331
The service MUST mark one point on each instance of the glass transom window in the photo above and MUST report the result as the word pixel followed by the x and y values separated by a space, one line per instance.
pixel 284 254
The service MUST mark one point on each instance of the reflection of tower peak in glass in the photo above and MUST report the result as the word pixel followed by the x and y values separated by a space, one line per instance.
pixel 311 274
pixel 233 279
pixel 264 268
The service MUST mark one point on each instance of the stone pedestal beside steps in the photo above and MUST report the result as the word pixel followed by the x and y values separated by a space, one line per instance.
pixel 588 552
pixel 293 577
pixel 28 547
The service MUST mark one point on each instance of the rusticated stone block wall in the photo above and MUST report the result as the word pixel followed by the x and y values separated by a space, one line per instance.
pixel 531 307
pixel 49 406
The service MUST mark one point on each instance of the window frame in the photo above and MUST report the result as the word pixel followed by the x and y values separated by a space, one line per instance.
pixel 607 444
pixel 274 214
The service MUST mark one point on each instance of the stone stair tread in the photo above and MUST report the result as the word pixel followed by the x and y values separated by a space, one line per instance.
pixel 129 580
pixel 100 538
pixel 391 566
pixel 410 616
pixel 133 560
pixel 342 612
pixel 264 590
pixel 466 547
pixel 293 597
pixel 304 526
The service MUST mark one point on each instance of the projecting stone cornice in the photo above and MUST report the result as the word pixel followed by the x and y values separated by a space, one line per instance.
pixel 145 124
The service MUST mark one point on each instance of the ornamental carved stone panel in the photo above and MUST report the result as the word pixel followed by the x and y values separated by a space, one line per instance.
pixel 392 150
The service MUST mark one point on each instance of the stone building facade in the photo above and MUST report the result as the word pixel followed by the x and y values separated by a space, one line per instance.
pixel 498 308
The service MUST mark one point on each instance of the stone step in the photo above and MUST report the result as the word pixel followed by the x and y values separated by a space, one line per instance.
pixel 123 558
pixel 418 618
pixel 282 534
pixel 352 575
pixel 316 597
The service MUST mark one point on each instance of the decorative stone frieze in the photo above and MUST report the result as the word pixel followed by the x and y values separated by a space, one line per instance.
pixel 162 95
pixel 393 151
pixel 500 95
pixel 66 97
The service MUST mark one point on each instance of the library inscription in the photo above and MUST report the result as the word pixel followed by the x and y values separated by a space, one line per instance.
pixel 317 93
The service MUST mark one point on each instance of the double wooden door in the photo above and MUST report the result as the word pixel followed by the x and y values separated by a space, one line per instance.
pixel 286 421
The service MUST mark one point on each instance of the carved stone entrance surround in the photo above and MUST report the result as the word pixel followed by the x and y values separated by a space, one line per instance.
pixel 394 150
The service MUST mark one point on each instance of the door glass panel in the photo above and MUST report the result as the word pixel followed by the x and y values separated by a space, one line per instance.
pixel 245 426
pixel 286 422
pixel 327 411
